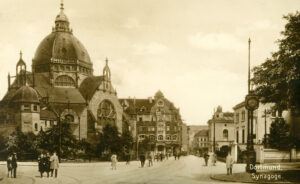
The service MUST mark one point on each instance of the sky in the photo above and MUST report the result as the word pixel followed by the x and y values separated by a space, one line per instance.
pixel 194 51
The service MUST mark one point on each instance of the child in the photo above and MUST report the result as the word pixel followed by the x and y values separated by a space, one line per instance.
pixel 9 166
pixel 114 161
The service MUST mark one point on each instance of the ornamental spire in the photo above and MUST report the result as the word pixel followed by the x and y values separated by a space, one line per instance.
pixel 62 5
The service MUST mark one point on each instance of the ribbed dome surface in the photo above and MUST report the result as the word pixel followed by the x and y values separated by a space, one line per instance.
pixel 25 94
pixel 60 45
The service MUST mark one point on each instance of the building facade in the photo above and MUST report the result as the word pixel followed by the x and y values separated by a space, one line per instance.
pixel 221 129
pixel 201 141
pixel 60 87
pixel 155 119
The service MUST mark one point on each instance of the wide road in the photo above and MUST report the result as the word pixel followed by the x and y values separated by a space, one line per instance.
pixel 187 170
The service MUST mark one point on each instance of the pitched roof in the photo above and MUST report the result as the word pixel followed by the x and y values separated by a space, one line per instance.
pixel 201 133
pixel 89 86
pixel 46 114
pixel 63 95
pixel 139 106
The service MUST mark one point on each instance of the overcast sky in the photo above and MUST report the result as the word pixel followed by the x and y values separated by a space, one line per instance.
pixel 194 51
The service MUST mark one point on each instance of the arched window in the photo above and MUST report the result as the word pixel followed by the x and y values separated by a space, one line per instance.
pixel 35 127
pixel 225 134
pixel 160 137
pixel 69 118
pixel 174 137
pixel 64 80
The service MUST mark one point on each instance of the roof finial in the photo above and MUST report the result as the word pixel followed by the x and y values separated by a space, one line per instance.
pixel 20 54
pixel 106 61
pixel 62 5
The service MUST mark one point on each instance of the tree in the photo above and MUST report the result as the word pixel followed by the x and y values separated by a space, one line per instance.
pixel 49 140
pixel 127 139
pixel 279 137
pixel 110 140
pixel 278 78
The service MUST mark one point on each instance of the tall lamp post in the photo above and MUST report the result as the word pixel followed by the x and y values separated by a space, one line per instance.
pixel 251 104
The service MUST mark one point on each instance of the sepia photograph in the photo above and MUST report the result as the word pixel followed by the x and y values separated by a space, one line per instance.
pixel 149 91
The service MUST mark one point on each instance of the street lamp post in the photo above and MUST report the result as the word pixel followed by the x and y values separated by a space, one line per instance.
pixel 251 104
pixel 79 128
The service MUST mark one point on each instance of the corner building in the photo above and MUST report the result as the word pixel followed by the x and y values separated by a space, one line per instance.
pixel 156 119
pixel 60 86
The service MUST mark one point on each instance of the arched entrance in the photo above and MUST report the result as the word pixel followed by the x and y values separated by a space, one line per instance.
pixel 106 113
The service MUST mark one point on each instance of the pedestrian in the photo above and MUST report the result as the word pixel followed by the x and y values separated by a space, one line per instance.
pixel 229 163
pixel 9 165
pixel 175 155
pixel 41 164
pixel 47 164
pixel 206 157
pixel 161 156
pixel 142 159
pixel 127 156
pixel 14 164
pixel 213 159
pixel 150 159
pixel 114 161
pixel 54 164
pixel 178 155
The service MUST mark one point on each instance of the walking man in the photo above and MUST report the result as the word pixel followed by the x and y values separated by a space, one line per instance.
pixel 54 164
pixel 142 159
pixel 150 158
pixel 14 164
pixel 206 157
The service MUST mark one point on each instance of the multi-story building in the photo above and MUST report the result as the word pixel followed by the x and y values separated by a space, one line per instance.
pixel 184 138
pixel 221 127
pixel 201 141
pixel 193 129
pixel 156 119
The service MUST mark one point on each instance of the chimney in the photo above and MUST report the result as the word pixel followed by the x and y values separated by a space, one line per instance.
pixel 150 99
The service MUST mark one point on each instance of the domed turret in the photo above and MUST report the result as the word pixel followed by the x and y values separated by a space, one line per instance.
pixel 25 94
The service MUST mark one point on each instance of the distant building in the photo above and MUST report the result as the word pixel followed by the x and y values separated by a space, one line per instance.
pixel 185 138
pixel 201 141
pixel 193 130
pixel 156 119
pixel 224 129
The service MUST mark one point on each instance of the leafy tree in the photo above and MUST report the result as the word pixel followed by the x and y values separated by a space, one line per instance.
pixel 278 78
pixel 127 139
pixel 2 143
pixel 49 140
pixel 110 140
pixel 279 137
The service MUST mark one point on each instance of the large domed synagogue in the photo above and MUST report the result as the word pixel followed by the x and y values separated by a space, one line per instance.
pixel 61 86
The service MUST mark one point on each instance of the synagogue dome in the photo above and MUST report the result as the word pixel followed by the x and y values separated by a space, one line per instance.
pixel 25 94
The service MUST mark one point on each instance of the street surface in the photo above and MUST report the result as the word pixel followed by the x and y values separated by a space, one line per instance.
pixel 187 170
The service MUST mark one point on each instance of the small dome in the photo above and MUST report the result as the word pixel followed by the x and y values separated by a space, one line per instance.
pixel 25 94
pixel 61 17
pixel 159 94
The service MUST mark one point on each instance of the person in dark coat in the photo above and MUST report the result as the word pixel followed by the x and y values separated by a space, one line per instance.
pixel 206 157
pixel 41 164
pixel 47 164
pixel 14 164
pixel 142 159
pixel 9 165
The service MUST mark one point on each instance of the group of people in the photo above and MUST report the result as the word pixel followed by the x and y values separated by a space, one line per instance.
pixel 229 161
pixel 48 164
pixel 12 165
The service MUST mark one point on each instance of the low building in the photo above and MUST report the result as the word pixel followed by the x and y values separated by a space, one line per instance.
pixel 193 130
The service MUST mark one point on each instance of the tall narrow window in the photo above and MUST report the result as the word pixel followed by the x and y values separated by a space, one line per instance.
pixel 225 134
pixel 237 136
pixel 243 136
